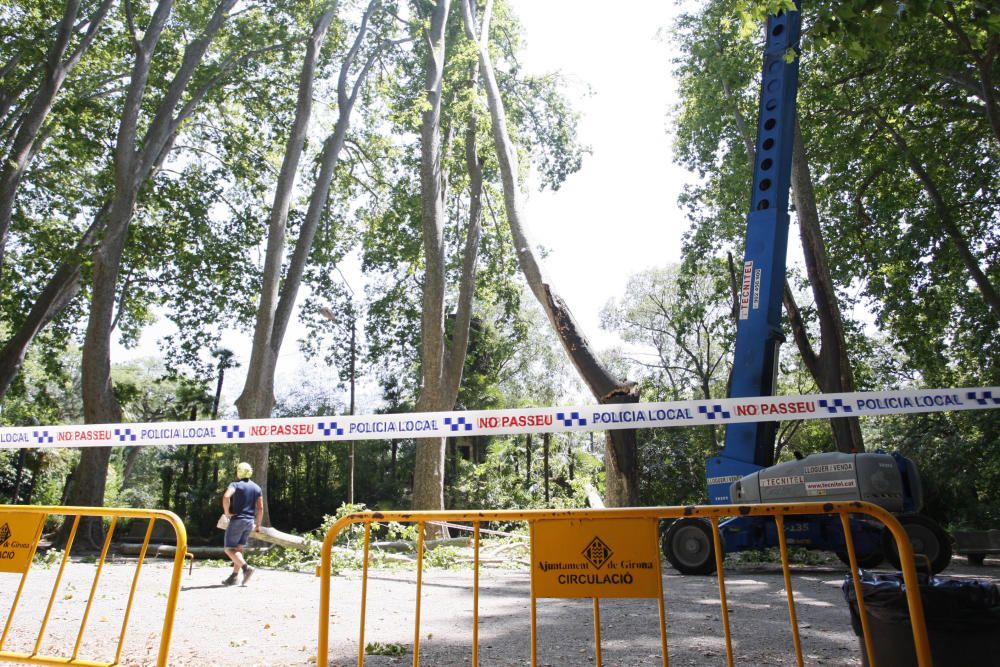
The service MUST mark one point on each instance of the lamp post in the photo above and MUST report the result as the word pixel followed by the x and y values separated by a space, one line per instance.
pixel 328 314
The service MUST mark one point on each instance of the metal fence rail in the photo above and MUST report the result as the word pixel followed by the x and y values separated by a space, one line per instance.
pixel 21 543
pixel 651 517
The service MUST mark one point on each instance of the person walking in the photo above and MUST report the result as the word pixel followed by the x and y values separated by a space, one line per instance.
pixel 243 503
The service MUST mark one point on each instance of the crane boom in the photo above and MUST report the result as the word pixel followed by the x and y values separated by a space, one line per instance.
pixel 750 446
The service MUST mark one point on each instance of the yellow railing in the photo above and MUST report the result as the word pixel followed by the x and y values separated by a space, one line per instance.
pixel 713 513
pixel 35 516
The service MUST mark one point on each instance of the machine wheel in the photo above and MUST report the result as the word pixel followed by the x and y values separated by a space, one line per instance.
pixel 689 547
pixel 865 561
pixel 929 540
pixel 976 559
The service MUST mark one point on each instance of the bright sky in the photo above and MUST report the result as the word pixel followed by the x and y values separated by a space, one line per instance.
pixel 618 214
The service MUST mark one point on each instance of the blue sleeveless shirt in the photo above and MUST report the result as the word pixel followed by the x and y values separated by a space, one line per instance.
pixel 243 503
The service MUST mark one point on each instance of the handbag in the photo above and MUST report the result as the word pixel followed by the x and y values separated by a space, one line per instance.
pixel 223 522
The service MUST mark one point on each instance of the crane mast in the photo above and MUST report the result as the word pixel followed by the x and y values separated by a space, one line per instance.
pixel 750 446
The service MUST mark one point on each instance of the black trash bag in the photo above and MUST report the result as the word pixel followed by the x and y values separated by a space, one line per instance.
pixel 962 615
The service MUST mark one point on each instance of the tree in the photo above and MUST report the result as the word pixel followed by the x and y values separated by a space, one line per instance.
pixel 281 281
pixel 435 267
pixel 895 121
pixel 35 104
pixel 442 360
pixel 135 160
pixel 935 52
pixel 684 317
pixel 916 199
pixel 622 480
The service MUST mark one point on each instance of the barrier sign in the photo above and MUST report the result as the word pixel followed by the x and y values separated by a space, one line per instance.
pixel 595 558
pixel 19 534
pixel 503 422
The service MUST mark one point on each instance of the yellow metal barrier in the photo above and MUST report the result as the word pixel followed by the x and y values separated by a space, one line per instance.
pixel 598 553
pixel 20 532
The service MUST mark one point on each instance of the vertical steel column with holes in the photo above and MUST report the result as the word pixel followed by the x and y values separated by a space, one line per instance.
pixel 750 446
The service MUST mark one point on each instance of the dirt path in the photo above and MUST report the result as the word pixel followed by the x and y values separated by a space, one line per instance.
pixel 273 620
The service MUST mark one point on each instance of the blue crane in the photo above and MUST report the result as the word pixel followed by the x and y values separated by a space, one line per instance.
pixel 747 457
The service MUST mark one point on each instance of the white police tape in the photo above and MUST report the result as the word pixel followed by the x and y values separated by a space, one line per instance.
pixel 502 422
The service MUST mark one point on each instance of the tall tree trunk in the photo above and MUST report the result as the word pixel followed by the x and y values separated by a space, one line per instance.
pixel 134 163
pixel 428 470
pixel 832 370
pixel 624 489
pixel 279 293
pixel 442 361
pixel 100 405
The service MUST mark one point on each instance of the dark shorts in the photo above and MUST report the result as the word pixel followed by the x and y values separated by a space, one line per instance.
pixel 238 532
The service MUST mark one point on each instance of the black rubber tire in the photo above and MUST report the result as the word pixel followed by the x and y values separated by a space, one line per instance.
pixel 865 561
pixel 976 559
pixel 689 547
pixel 929 540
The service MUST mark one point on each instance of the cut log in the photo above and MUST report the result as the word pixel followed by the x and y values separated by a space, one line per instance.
pixel 274 536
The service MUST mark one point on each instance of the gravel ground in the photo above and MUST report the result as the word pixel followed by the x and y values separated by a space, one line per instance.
pixel 273 620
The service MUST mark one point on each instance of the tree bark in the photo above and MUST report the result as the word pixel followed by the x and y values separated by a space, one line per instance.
pixel 624 490
pixel 832 368
pixel 428 469
pixel 442 361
